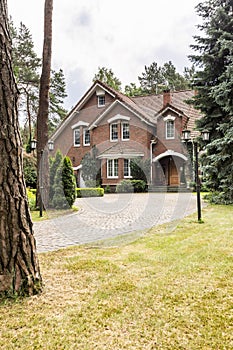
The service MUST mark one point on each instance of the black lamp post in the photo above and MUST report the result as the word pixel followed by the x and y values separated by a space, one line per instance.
pixel 33 147
pixel 205 137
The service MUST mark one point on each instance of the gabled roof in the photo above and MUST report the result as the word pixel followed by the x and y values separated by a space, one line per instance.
pixel 120 98
pixel 153 105
pixel 125 101
pixel 146 108
pixel 130 149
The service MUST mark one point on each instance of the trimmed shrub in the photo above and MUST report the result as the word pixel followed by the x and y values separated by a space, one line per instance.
pixel 59 200
pixel 68 179
pixel 125 186
pixel 139 185
pixel 128 186
pixel 89 192
pixel 64 186
pixel 54 164
pixel 107 189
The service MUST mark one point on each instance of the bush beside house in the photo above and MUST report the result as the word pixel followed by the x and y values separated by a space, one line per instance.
pixel 127 186
pixel 62 182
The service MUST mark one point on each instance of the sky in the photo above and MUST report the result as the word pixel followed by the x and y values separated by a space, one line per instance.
pixel 123 35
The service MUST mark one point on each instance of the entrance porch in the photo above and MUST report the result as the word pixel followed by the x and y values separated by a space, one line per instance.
pixel 170 172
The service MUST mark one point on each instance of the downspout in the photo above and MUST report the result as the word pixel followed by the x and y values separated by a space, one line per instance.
pixel 152 142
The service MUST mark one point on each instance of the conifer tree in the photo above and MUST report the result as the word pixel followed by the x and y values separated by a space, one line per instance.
pixel 155 79
pixel 19 266
pixel 68 180
pixel 107 76
pixel 214 83
pixel 26 67
pixel 64 188
pixel 54 165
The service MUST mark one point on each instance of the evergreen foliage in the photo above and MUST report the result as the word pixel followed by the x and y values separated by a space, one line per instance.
pixel 108 77
pixel 68 180
pixel 27 67
pixel 57 94
pixel 55 162
pixel 62 182
pixel 29 170
pixel 133 90
pixel 214 83
pixel 91 168
pixel 59 200
pixel 140 169
pixel 155 79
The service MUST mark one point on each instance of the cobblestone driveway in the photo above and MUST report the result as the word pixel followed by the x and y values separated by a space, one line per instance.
pixel 112 215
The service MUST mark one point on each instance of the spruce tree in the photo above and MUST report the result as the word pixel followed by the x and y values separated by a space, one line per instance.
pixel 155 79
pixel 214 84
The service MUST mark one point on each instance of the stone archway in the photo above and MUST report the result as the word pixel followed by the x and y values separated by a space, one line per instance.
pixel 169 169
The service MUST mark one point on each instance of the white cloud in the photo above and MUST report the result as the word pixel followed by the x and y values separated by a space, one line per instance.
pixel 125 36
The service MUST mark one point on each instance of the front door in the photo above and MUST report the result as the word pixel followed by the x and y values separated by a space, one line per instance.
pixel 170 171
pixel 173 176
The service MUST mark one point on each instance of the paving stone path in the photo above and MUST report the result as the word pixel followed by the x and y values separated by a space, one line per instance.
pixel 111 216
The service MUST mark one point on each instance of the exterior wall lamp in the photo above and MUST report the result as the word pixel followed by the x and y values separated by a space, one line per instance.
pixel 186 137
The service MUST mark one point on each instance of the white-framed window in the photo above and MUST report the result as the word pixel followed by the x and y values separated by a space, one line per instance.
pixel 86 137
pixel 112 168
pixel 127 170
pixel 170 129
pixel 101 100
pixel 114 132
pixel 77 137
pixel 125 131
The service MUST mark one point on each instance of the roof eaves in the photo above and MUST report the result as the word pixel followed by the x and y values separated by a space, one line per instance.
pixel 171 108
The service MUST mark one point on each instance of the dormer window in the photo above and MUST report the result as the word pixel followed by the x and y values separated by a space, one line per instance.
pixel 101 100
pixel 170 129
pixel 114 132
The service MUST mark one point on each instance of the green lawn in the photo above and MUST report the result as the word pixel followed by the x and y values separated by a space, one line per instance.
pixel 166 290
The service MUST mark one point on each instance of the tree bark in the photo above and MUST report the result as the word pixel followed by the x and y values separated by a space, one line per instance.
pixel 19 266
pixel 42 118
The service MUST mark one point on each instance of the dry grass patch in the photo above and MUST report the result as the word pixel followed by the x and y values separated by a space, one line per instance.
pixel 163 291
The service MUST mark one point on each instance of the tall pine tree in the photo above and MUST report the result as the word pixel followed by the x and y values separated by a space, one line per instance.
pixel 214 83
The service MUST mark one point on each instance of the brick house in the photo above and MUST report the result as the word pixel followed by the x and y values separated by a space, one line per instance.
pixel 123 128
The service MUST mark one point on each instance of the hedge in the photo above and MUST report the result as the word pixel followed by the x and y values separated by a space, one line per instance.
pixel 89 192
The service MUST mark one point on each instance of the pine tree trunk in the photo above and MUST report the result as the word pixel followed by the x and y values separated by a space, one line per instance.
pixel 42 118
pixel 19 267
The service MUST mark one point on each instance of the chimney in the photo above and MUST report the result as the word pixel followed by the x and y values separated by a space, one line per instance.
pixel 167 98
